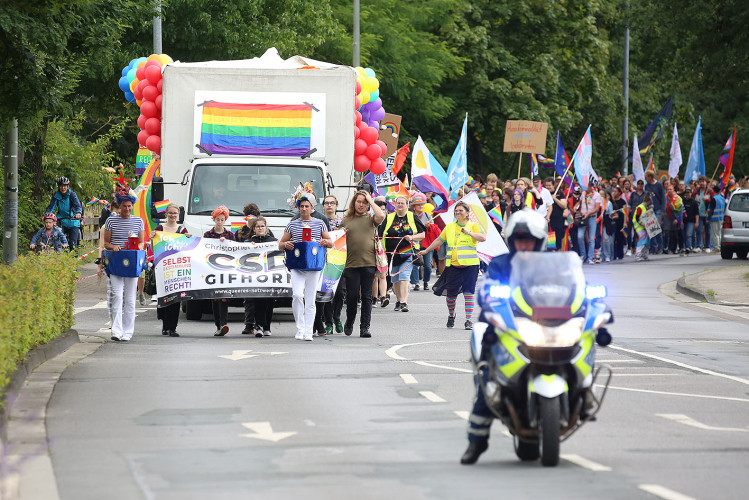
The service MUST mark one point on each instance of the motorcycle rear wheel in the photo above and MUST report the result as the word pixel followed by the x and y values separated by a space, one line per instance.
pixel 525 450
pixel 548 427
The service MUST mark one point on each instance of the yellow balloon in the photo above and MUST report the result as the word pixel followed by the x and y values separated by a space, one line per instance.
pixel 371 84
pixel 361 71
pixel 428 208
pixel 364 97
pixel 134 84
pixel 153 57
pixel 165 59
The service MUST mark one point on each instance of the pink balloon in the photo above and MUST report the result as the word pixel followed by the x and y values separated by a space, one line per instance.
pixel 361 163
pixel 373 151
pixel 142 122
pixel 377 166
pixel 358 88
pixel 150 93
pixel 159 86
pixel 140 73
pixel 382 145
pixel 152 63
pixel 357 103
pixel 360 147
pixel 356 133
pixel 148 108
pixel 153 126
pixel 153 74
pixel 154 143
pixel 142 137
pixel 357 115
pixel 157 102
pixel 369 134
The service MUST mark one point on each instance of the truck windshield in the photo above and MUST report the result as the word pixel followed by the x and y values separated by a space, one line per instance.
pixel 269 186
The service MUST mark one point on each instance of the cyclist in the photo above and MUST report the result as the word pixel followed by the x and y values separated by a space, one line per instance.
pixel 49 237
pixel 69 211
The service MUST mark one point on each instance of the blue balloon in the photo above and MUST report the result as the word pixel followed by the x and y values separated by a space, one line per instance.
pixel 140 60
pixel 369 72
pixel 129 96
pixel 373 96
pixel 125 70
pixel 130 76
pixel 124 84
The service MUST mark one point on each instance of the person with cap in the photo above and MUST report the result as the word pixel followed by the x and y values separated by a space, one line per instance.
pixel 50 236
pixel 304 283
pixel 220 306
pixel 69 211
pixel 526 232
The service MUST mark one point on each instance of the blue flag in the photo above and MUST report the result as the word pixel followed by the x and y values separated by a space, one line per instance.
pixel 457 170
pixel 696 161
pixel 561 161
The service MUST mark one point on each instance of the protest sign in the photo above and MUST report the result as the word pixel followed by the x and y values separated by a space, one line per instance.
pixel 522 136
pixel 650 221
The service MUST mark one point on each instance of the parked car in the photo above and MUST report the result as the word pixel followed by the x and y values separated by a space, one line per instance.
pixel 735 234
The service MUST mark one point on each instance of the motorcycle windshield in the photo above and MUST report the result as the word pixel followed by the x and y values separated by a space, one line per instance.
pixel 548 279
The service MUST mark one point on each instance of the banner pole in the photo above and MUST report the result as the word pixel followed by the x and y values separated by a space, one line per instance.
pixel 715 172
pixel 520 161
pixel 565 175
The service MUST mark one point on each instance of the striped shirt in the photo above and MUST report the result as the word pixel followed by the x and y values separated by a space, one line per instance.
pixel 122 228
pixel 295 229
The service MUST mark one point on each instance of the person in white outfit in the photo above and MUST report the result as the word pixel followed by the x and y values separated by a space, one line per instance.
pixel 304 283
pixel 117 231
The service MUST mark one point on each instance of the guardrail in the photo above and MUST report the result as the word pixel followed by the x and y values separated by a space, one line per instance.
pixel 90 227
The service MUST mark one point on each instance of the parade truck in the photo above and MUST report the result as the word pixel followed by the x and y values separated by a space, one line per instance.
pixel 236 132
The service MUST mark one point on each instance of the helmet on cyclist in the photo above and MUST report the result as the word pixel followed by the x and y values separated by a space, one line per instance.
pixel 49 215
pixel 526 225
pixel 63 181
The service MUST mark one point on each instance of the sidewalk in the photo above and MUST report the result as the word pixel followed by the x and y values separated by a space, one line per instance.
pixel 90 286
pixel 728 286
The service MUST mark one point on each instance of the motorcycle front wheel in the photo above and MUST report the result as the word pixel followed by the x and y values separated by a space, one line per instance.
pixel 548 428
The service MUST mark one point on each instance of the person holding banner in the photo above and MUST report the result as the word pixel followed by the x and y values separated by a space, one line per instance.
pixel 220 306
pixel 328 313
pixel 643 242
pixel 462 266
pixel 117 232
pixel 305 229
pixel 361 262
pixel 259 310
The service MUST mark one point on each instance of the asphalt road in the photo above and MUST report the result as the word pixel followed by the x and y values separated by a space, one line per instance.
pixel 346 417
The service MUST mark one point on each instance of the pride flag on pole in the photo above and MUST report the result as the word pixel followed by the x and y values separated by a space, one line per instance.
pixel 496 215
pixel 583 160
pixel 696 161
pixel 675 155
pixel 457 169
pixel 730 145
pixel 427 175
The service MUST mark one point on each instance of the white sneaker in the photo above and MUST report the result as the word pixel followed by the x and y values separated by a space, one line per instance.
pixel 266 333
pixel 299 336
pixel 696 250
pixel 629 253
pixel 707 250
pixel 308 337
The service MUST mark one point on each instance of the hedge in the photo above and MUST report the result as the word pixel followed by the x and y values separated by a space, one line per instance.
pixel 36 305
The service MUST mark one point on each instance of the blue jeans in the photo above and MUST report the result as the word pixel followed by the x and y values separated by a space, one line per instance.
pixel 427 269
pixel 590 225
pixel 607 245
pixel 689 235
pixel 657 242
pixel 73 235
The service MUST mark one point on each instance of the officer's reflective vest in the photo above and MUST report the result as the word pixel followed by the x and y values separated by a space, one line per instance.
pixel 465 245
pixel 720 208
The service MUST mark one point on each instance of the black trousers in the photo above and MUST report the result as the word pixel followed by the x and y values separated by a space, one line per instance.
pixel 328 312
pixel 559 230
pixel 220 312
pixel 359 280
pixel 170 316
pixel 620 241
pixel 259 311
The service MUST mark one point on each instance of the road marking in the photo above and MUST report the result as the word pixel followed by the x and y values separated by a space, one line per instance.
pixel 681 394
pixel 424 363
pixel 393 351
pixel 683 365
pixel 264 431
pixel 684 419
pixel 462 414
pixel 585 463
pixel 432 397
pixel 619 361
pixel 408 378
pixel 100 305
pixel 619 374
pixel 245 354
pixel 662 492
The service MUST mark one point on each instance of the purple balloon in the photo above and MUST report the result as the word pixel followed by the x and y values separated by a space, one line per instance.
pixel 377 103
pixel 365 114
pixel 378 114
pixel 374 123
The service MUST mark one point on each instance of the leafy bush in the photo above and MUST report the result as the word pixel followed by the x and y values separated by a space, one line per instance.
pixel 37 294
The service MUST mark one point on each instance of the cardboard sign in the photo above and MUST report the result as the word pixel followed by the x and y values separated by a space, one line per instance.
pixel 650 221
pixel 525 137
pixel 390 127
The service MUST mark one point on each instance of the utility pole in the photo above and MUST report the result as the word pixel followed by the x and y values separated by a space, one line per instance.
pixel 625 127
pixel 357 58
pixel 157 29
pixel 10 219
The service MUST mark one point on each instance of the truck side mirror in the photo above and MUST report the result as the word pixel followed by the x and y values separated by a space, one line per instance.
pixel 181 217
pixel 157 189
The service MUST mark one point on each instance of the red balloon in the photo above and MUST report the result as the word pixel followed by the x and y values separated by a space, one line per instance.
pixel 142 137
pixel 358 88
pixel 157 102
pixel 142 122
pixel 360 147
pixel 152 63
pixel 138 93
pixel 140 73
pixel 361 163
pixel 377 166
pixel 357 103
pixel 154 143
pixel 356 133
pixel 158 85
pixel 150 93
pixel 153 74
pixel 369 134
pixel 373 151
pixel 382 145
pixel 357 115
pixel 153 126
pixel 148 108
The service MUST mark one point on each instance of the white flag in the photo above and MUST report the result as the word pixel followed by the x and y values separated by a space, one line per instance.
pixel 637 170
pixel 675 154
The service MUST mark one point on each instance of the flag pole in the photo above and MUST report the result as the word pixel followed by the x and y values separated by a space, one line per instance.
pixel 565 175
pixel 520 160
pixel 716 171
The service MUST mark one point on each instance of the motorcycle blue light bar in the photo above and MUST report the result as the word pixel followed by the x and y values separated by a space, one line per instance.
pixel 593 292
pixel 499 292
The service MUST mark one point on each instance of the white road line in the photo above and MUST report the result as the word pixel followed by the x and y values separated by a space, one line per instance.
pixel 462 414
pixel 462 370
pixel 585 463
pixel 619 361
pixel 662 492
pixel 393 351
pixel 684 419
pixel 619 374
pixel 683 365
pixel 432 397
pixel 100 305
pixel 408 378
pixel 680 394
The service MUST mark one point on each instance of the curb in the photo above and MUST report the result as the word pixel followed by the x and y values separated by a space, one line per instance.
pixel 34 358
pixel 697 294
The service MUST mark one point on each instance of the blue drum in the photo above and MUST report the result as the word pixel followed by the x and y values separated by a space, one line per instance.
pixel 126 263
pixel 306 256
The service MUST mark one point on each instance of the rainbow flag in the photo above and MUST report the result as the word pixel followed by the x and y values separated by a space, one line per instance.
pixel 236 225
pixel 496 215
pixel 94 199
pixel 551 241
pixel 566 240
pixel 405 250
pixel 160 206
pixel 256 129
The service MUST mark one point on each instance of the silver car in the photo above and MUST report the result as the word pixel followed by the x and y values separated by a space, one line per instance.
pixel 735 234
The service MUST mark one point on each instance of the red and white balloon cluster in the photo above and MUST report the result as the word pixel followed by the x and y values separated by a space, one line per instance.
pixel 368 149
pixel 148 96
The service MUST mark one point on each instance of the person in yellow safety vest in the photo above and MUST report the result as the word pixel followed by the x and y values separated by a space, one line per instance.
pixel 643 242
pixel 462 264
pixel 402 232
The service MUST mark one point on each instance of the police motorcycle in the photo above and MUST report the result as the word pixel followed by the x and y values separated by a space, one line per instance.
pixel 539 378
